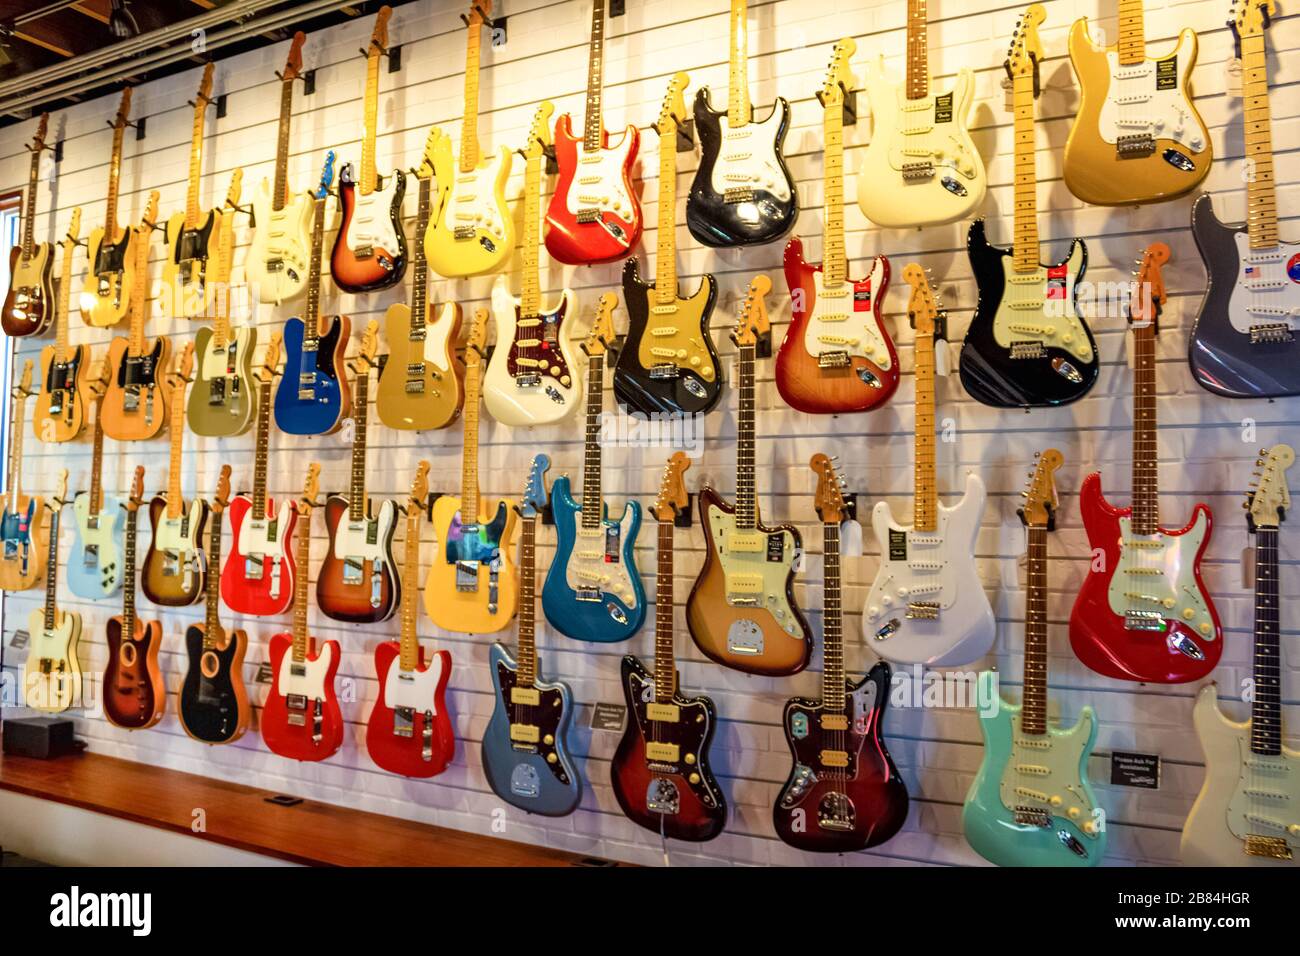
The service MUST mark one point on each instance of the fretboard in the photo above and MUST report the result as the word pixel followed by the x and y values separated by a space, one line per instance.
pixel 469 125
pixel 1266 709
pixel 1146 487
pixel 139 298
pixel 128 575
pixel 15 483
pixel 360 415
pixel 738 106
pixel 263 447
pixel 835 267
pixel 29 207
pixel 61 351
pixel 527 663
pixel 281 194
pixel 212 582
pixel 746 504
pixel 409 647
pixel 666 261
pixel 665 666
pixel 1025 243
pixel 592 502
pixel 925 494
pixel 530 291
pixel 96 501
pixel 1033 707
pixel 300 638
pixel 52 567
pixel 311 324
pixel 114 176
pixel 918 51
pixel 469 456
pixel 1132 35
pixel 192 211
pixel 175 505
pixel 594 125
pixel 420 264
pixel 369 175
pixel 832 623
pixel 1261 198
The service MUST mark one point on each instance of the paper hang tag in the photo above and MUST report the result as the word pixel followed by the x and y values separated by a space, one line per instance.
pixel 851 538
pixel 1232 76
pixel 1008 88
pixel 1248 567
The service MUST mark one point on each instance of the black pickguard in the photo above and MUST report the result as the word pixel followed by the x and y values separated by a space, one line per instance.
pixel 209 707
pixel 140 371
pixel 111 257
pixel 61 381
pixel 192 244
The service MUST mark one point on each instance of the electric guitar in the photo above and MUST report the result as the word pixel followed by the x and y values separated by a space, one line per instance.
pixel 110 250
pixel 593 588
pixel 1136 136
pixel 260 575
pixel 212 700
pixel 52 673
pixel 927 605
pixel 741 611
pixel 1031 803
pixel 532 377
pixel 1026 344
pixel 1243 343
pixel 836 356
pixel 29 302
pixel 95 566
pixel 370 248
pixel 743 194
pixel 175 572
pixel 844 793
pixel 660 772
pixel 133 692
pixel 358 581
pixel 301 717
pixel 668 365
pixel 278 259
pixel 1143 613
pixel 526 744
pixel 23 527
pixel 594 215
pixel 313 398
pixel 61 405
pixel 1248 810
pixel 471 585
pixel 422 385
pixel 409 730
pixel 472 230
pixel 920 168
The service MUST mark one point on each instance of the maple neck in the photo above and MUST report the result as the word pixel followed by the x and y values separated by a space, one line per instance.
pixel 1132 32
pixel 212 583
pixel 263 447
pixel 469 457
pixel 300 638
pixel 833 698
pixel 469 149
pixel 281 194
pixel 409 647
pixel 594 125
pixel 369 180
pixel 835 266
pixel 29 207
pixel 311 324
pixel 192 211
pixel 175 504
pixel 1025 243
pixel 925 496
pixel 530 292
pixel 15 482
pixel 96 500
pixel 128 574
pixel 1266 709
pixel 527 663
pixel 61 350
pixel 739 111
pixel 52 566
pixel 1261 197
pixel 666 261
pixel 139 300
pixel 746 503
pixel 1033 707
pixel 114 179
pixel 918 51
pixel 357 505
pixel 420 264
pixel 1145 519
pixel 665 666
pixel 592 501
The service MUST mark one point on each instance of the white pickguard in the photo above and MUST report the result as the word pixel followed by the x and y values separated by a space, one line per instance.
pixel 437 348
pixel 598 180
pixel 936 568
pixel 174 536
pixel 1135 107
pixel 1156 574
pixel 747 158
pixel 351 542
pixel 835 326
pixel 414 689
pixel 98 540
pixel 517 405
pixel 1267 291
pixel 587 567
pixel 473 200
pixel 279 259
pixel 214 364
pixel 310 683
pixel 257 542
pixel 52 675
pixel 749 578
pixel 1027 314
pixel 372 220
pixel 1042 772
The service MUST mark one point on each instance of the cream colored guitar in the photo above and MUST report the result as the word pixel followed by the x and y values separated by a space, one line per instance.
pixel 52 674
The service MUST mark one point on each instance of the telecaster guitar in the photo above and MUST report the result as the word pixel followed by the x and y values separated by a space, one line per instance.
pixel 52 672
pixel 95 566
pixel 29 300
pixel 61 405
pixel 110 253
pixel 24 526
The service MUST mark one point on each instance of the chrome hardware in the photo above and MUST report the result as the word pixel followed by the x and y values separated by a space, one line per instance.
pixel 664 370
pixel 524 781
pixel 888 630
pixel 592 595
pixel 353 570
pixel 1185 646
pixel 745 637
pixel 802 778
pixel 1275 333
pixel 467 575
pixel 1068 371
pixel 1031 817
pixel 1070 843
pixel 694 387
pixel 1274 848
pixel 1178 160
pixel 662 797
pixel 835 812
pixel 869 378
pixel 1028 350
pixel 953 186
pixel 616 613
pixel 737 194
pixel 836 359
pixel 1135 145
pixel 403 722
pixel 916 171
pixel 923 611
pixel 1143 620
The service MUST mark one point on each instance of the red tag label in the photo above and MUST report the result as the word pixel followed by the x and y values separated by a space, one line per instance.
pixel 862 296
pixel 1293 268
pixel 1057 277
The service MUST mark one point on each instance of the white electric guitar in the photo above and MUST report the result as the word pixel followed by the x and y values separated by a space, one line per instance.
pixel 52 674
pixel 927 605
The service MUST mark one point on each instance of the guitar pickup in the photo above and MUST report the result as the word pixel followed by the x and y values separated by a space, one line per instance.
pixel 296 704
pixel 1032 817
pixel 1135 145
pixel 915 171
pixel 737 194
pixel 923 611
pixel 403 722
pixel 837 358
pixel 217 391
pixel 90 557
pixel 662 371
pixel 1143 620
pixel 525 733
pixel 668 713
pixel 1273 848
pixel 834 758
pixel 467 575
pixel 415 369
pixel 662 753
pixel 1027 350
pixel 1274 333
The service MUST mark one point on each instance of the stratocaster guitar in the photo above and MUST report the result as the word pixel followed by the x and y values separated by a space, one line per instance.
pixel 301 717
pixel 110 250
pixel 52 673
pixel 1026 344
pixel 1143 613
pixel 23 523
pixel 844 793
pixel 29 301
pixel 525 753
pixel 836 356
pixel 741 611
pixel 95 568
pixel 1031 803
pixel 61 405
pixel 667 365
pixel 660 772
pixel 409 731
pixel 927 604
pixel 1248 810
pixel 593 589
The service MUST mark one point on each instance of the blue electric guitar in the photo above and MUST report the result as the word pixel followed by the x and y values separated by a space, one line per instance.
pixel 593 590
pixel 95 568
pixel 311 398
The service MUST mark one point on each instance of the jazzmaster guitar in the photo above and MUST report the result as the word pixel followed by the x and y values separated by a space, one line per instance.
pixel 1143 613
pixel 409 730
pixel 1031 803
pixel 1026 344
pixel 532 377
pixel 593 588
pixel 660 772
pixel 212 700
pixel 927 605
pixel 95 566
pixel 920 168
pixel 594 215
pixel 526 744
pixel 23 526
pixel 741 611
pixel 836 356
pixel 1248 810
pixel 743 194
pixel 29 302
pixel 844 793
pixel 471 586
pixel 110 250
pixel 301 717
pixel 370 248
pixel 668 365
pixel 1243 344
pixel 52 673
pixel 61 405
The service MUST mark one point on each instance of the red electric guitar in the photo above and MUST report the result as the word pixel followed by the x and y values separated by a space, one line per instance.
pixel 1143 613
pixel 301 717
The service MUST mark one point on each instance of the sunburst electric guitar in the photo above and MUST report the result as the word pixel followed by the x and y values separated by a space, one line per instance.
pixel 52 673
pixel 29 301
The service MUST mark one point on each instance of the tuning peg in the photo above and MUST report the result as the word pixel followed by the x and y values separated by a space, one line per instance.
pixel 1259 462
pixel 1024 494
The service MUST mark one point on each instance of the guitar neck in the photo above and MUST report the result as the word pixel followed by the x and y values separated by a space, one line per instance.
pixel 527 663
pixel 139 296
pixel 29 206
pixel 369 180
pixel 666 261
pixel 746 503
pixel 1025 244
pixel 1260 193
pixel 925 496
pixel 61 350
pixel 420 264
pixel 1146 487
pixel 52 566
pixel 835 267
pixel 469 151
pixel 114 179
pixel 594 124
pixel 96 500
pixel 469 458
pixel 128 574
pixel 1266 709
pixel 1132 33
pixel 530 293
pixel 263 447
pixel 281 194
pixel 665 666
pixel 175 504
pixel 918 51
pixel 192 212
pixel 1033 708
pixel 212 584
pixel 833 700
pixel 592 500
pixel 409 647
pixel 738 106
pixel 357 505
pixel 16 450
pixel 311 324
pixel 300 587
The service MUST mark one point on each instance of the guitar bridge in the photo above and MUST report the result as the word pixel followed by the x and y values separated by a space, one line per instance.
pixel 1032 817
pixel 662 371
pixel 913 172
pixel 1273 848
pixel 588 215
pixel 923 611
pixel 838 358
pixel 1028 350
pixel 466 576
pixel 253 567
pixel 1143 620
pixel 737 194
pixel 588 594
pixel 463 232
pixel 527 380
pixel 1274 333
pixel 1135 146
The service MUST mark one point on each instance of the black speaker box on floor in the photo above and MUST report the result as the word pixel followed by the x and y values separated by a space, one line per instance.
pixel 41 737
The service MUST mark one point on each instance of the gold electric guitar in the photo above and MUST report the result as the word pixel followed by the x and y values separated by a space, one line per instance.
pixel 110 250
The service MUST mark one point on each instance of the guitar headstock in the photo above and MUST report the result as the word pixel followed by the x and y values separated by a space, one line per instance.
pixel 310 490
pixel 60 490
pixel 601 336
pixel 205 87
pixel 753 326
pixel 42 130
pixel 150 213
pixel 222 497
pixel 829 497
pixel 839 74
pixel 1026 50
pixel 74 228
pixel 123 109
pixel 673 112
pixel 1039 509
pixel 326 177
pixel 1250 18
pixel 672 491
pixel 922 306
pixel 476 339
pixel 533 501
pixel 1267 502
pixel 183 367
pixel 478 10
pixel 271 360
pixel 236 188
pixel 419 489
pixel 431 142
pixel 365 359
pixel 379 36
pixel 136 498
pixel 1149 288
pixel 293 65
pixel 539 134
pixel 25 382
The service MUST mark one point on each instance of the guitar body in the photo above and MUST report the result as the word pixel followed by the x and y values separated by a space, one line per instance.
pixel 745 164
pixel 29 303
pixel 422 385
pixel 594 215
pixel 421 696
pixel 212 701
pixel 655 784
pixel 472 230
pixel 61 405
pixel 175 567
pixel 193 262
pixel 826 364
pixel 311 398
pixel 279 257
pixel 94 569
pixel 223 399
pixel 1168 567
pixel 741 612
pixel 472 587
pixel 52 673
pixel 106 295
pixel 661 372
pixel 135 406
pixel 134 696
pixel 357 582
pixel 259 574
pixel 24 540
pixel 1131 100
pixel 1031 803
pixel 1246 289
pixel 1057 366
pixel 593 589
pixel 301 719
pixel 535 774
pixel 370 248
pixel 513 395
pixel 830 809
